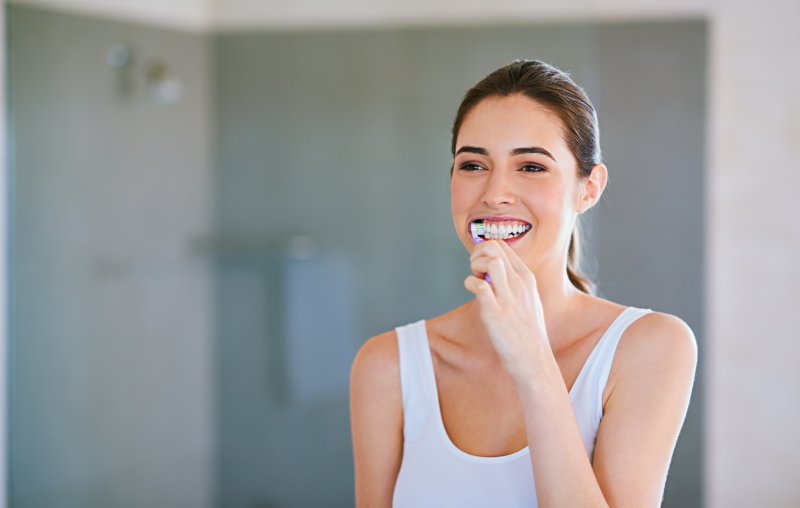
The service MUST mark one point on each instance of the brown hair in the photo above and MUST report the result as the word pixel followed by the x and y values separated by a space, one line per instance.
pixel 557 91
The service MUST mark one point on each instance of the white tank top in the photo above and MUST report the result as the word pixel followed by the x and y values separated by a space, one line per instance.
pixel 436 473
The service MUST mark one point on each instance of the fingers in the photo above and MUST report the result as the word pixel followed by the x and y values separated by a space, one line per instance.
pixel 496 268
pixel 518 279
pixel 483 291
pixel 519 266
pixel 489 248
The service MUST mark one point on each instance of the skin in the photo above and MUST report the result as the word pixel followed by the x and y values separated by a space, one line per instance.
pixel 504 361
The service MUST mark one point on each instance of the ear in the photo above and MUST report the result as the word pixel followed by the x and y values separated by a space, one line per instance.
pixel 591 188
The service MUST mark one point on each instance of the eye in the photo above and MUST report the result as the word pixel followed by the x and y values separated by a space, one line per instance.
pixel 470 166
pixel 532 168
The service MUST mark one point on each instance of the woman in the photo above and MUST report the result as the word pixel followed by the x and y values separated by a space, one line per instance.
pixel 535 391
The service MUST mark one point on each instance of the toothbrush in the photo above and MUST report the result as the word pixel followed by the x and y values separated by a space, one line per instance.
pixel 477 230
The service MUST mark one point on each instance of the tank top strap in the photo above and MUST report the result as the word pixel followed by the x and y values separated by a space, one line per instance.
pixel 603 356
pixel 586 393
pixel 415 380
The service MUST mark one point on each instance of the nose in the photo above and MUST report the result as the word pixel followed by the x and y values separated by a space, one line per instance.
pixel 498 189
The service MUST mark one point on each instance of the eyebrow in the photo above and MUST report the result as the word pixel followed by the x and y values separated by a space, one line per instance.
pixel 516 151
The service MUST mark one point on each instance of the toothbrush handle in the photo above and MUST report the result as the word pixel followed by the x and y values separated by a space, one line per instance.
pixel 476 239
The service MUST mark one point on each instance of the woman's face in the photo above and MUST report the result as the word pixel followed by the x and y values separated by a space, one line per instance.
pixel 512 161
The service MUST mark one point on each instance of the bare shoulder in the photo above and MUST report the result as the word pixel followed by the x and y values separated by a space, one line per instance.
pixel 375 391
pixel 659 334
pixel 376 419
pixel 378 361
pixel 656 344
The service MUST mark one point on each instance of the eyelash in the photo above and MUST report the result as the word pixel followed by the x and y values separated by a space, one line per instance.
pixel 540 168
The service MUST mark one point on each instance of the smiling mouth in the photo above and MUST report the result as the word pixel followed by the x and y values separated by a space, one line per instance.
pixel 502 230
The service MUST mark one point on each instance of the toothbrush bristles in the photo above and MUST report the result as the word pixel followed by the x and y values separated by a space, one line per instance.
pixel 478 229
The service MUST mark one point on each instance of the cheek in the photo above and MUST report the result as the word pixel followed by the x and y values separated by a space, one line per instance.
pixel 462 200
pixel 548 209
pixel 461 196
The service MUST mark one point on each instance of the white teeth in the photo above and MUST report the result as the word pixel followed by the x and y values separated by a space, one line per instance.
pixel 503 231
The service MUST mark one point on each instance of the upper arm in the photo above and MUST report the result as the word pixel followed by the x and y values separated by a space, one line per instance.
pixel 376 420
pixel 654 366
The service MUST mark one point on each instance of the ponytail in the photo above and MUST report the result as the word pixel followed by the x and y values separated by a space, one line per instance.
pixel 574 262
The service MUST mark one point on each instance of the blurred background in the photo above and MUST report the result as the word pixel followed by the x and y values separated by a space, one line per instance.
pixel 211 204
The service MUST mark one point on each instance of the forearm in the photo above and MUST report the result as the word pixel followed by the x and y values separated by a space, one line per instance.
pixel 563 473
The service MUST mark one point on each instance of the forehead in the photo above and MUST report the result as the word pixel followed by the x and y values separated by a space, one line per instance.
pixel 501 124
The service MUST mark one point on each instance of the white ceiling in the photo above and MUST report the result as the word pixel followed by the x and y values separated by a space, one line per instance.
pixel 232 15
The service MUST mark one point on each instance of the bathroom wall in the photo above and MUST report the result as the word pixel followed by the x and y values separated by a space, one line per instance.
pixel 110 376
pixel 334 217
pixel 206 270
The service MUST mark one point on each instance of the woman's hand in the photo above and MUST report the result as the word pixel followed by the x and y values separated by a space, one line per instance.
pixel 510 307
